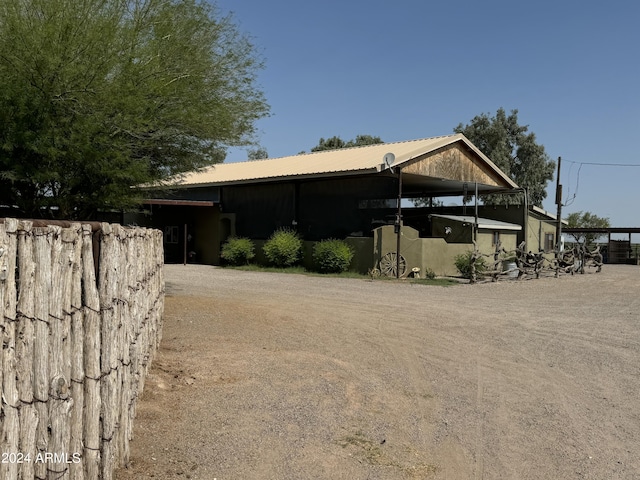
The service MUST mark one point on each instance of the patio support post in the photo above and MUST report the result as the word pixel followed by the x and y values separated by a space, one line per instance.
pixel 399 223
pixel 525 224
pixel 185 244
pixel 475 224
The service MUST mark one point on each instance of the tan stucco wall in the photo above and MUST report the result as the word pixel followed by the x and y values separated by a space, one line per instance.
pixel 536 232
pixel 385 240
pixel 363 257
pixel 435 254
pixel 439 256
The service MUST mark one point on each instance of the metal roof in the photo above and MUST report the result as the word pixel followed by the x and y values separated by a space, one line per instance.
pixel 482 222
pixel 548 215
pixel 346 161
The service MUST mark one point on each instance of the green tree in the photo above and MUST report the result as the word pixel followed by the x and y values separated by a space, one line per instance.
pixel 586 220
pixel 334 143
pixel 97 96
pixel 259 153
pixel 514 150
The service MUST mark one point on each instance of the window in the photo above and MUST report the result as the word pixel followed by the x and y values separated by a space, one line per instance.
pixel 171 234
pixel 549 243
pixel 378 203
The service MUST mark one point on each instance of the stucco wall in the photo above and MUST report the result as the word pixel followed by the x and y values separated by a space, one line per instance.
pixel 363 257
pixel 439 256
pixel 435 254
pixel 536 232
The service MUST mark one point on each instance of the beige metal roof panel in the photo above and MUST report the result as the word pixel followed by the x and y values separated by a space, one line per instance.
pixel 485 223
pixel 548 215
pixel 346 161
pixel 343 161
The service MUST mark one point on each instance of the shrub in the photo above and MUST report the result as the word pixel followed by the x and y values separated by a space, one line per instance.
pixel 430 274
pixel 463 264
pixel 238 251
pixel 284 248
pixel 332 256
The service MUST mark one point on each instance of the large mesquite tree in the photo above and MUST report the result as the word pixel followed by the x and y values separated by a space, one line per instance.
pixel 97 96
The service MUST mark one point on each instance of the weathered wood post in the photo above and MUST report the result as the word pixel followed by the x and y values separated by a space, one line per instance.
pixel 9 400
pixel 43 255
pixel 91 359
pixel 60 401
pixel 72 239
pixel 108 288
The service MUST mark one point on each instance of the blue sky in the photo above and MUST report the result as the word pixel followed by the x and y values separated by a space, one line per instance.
pixel 409 69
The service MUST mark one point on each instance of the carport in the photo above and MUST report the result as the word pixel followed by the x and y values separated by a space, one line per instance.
pixel 617 251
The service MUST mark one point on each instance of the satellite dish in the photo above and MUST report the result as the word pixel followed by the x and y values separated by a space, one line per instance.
pixel 389 158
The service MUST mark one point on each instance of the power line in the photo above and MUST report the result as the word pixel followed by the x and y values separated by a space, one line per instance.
pixel 569 201
pixel 607 164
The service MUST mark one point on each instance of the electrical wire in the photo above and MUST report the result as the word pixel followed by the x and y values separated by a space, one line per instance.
pixel 609 164
pixel 568 200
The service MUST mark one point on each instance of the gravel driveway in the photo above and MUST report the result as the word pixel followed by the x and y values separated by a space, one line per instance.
pixel 279 376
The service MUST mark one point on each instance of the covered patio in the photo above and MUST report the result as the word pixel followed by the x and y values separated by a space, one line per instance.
pixel 332 194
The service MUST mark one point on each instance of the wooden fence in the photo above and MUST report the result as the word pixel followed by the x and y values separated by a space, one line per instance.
pixel 80 319
pixel 525 263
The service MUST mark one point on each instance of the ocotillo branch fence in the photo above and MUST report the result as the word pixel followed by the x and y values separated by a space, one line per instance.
pixel 80 318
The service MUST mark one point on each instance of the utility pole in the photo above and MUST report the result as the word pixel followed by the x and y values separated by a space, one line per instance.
pixel 559 225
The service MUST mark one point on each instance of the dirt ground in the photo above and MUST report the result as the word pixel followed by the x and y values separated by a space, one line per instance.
pixel 276 376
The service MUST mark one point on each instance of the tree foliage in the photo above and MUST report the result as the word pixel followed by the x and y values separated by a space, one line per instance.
pixel 514 150
pixel 586 220
pixel 259 153
pixel 335 143
pixel 99 95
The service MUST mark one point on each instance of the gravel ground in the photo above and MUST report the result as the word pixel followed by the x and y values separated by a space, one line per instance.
pixel 276 376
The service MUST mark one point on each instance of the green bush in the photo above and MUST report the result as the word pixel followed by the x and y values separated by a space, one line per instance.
pixel 332 256
pixel 284 248
pixel 238 251
pixel 463 264
pixel 430 274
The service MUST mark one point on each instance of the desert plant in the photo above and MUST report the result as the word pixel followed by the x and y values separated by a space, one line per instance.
pixel 332 256
pixel 463 263
pixel 283 248
pixel 238 251
pixel 429 274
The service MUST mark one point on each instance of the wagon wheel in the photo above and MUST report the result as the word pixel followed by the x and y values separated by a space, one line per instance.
pixel 389 265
